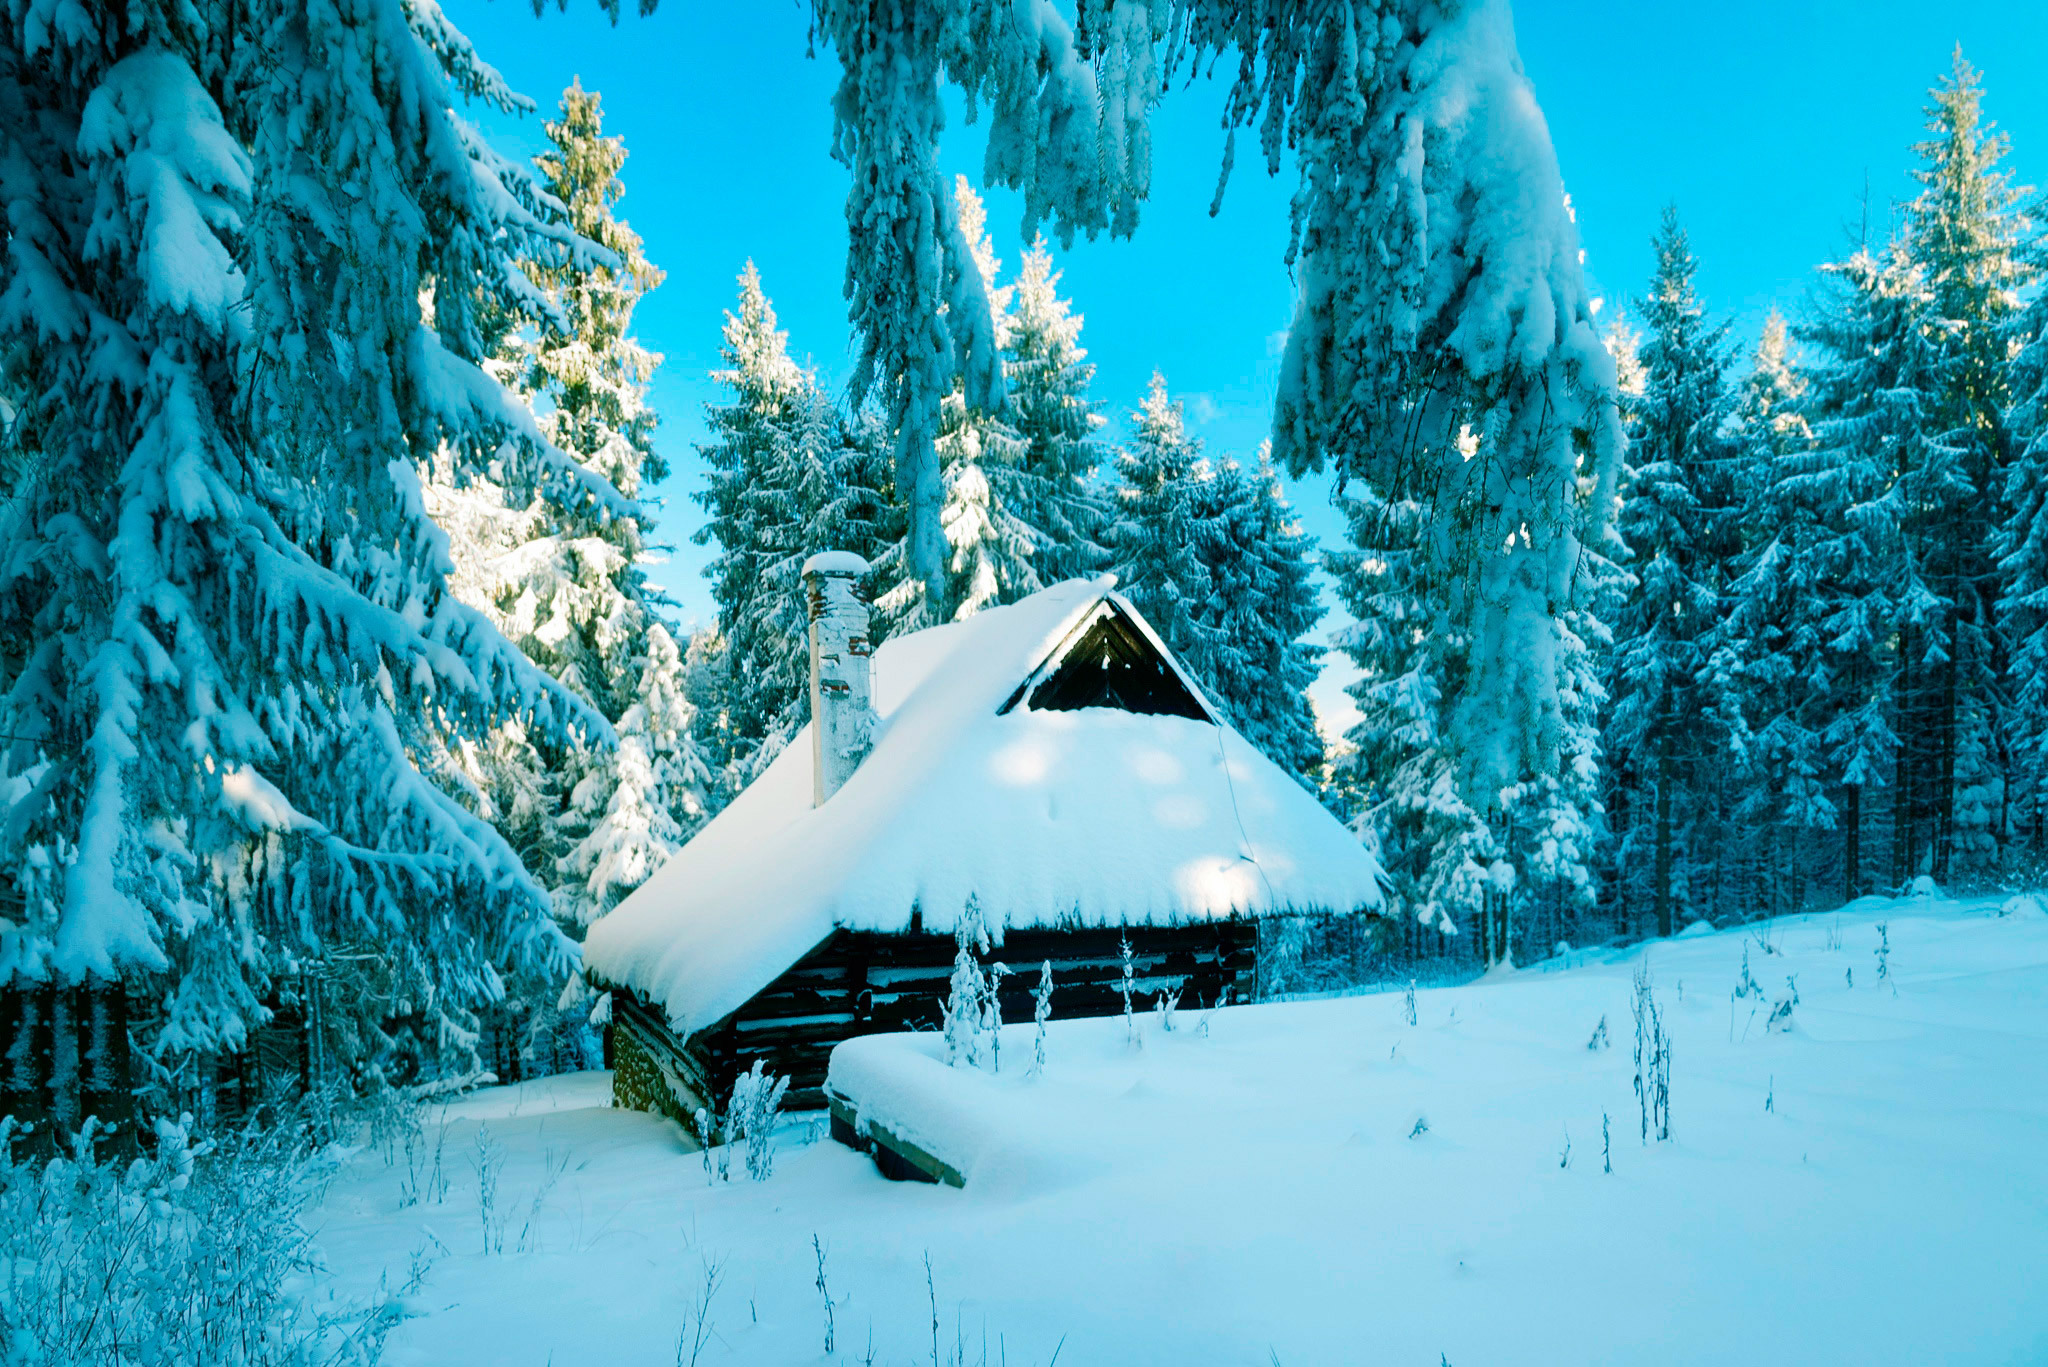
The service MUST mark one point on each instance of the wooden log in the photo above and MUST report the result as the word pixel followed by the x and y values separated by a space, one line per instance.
pixel 865 982
pixel 26 1009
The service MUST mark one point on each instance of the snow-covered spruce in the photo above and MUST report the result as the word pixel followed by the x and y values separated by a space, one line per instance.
pixel 1675 728
pixel 989 549
pixel 1068 133
pixel 1213 553
pixel 1453 380
pixel 1051 409
pixel 961 1014
pixel 250 680
pixel 786 474
pixel 565 584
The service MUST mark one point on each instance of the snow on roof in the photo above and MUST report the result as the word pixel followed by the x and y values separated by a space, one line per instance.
pixel 1095 816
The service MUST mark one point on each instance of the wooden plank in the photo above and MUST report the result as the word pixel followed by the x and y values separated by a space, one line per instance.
pixel 911 1162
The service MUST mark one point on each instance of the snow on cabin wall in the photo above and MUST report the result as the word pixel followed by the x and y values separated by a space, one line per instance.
pixel 1095 817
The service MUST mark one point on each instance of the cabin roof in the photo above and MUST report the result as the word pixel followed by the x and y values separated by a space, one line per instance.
pixel 996 774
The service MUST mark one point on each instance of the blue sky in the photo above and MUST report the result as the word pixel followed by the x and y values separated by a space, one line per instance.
pixel 1761 121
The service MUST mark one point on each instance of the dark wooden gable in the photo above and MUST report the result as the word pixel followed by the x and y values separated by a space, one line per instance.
pixel 1111 664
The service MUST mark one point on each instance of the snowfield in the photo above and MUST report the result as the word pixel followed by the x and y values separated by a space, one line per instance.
pixel 1314 1182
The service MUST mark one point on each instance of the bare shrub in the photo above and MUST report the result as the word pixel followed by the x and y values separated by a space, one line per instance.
pixel 192 1256
pixel 1652 1059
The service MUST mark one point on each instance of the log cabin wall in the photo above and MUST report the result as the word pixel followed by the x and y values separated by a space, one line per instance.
pixel 864 983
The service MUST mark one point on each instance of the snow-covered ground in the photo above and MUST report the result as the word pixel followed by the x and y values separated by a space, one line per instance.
pixel 1869 1186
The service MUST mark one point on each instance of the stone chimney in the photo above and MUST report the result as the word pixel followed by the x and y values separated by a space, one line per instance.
pixel 842 714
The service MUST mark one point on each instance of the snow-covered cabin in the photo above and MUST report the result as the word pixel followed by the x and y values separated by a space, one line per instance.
pixel 1048 763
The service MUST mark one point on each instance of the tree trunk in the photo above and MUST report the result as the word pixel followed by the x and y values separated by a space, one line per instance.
pixel 26 1010
pixel 64 1058
pixel 1942 844
pixel 106 1082
pixel 1852 846
pixel 1663 890
pixel 1903 775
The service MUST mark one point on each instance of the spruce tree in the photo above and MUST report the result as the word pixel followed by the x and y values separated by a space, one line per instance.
pixel 1048 375
pixel 1877 459
pixel 1962 233
pixel 787 475
pixel 2023 601
pixel 1159 527
pixel 589 381
pixel 247 308
pixel 747 482
pixel 1446 869
pixel 1668 734
pixel 1777 621
pixel 991 549
pixel 1215 560
pixel 1261 605
pixel 564 582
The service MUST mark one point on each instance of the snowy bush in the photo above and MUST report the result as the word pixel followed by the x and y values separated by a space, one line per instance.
pixel 1781 1011
pixel 1164 1003
pixel 1041 1012
pixel 717 1160
pixel 1746 986
pixel 748 1126
pixel 750 1120
pixel 1124 984
pixel 966 997
pixel 191 1257
pixel 992 1013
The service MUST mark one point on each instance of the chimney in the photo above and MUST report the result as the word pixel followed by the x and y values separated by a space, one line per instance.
pixel 842 717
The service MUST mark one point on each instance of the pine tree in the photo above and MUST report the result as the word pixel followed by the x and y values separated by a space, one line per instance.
pixel 246 309
pixel 2023 566
pixel 1962 233
pixel 1262 602
pixel 631 807
pixel 1669 732
pixel 1048 375
pixel 1783 597
pixel 1159 527
pixel 1877 461
pixel 788 475
pixel 991 548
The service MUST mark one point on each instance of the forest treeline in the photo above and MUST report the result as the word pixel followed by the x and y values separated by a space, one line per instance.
pixel 334 692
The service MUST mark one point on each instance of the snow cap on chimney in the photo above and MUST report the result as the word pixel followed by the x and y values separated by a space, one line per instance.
pixel 842 713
